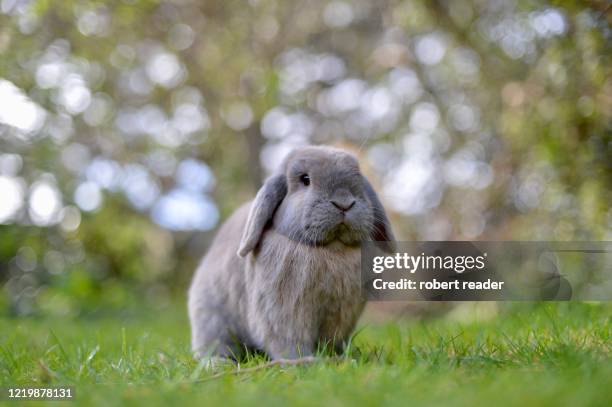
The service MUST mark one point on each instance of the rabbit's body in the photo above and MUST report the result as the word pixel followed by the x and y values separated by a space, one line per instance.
pixel 305 295
pixel 299 295
pixel 217 297
pixel 295 282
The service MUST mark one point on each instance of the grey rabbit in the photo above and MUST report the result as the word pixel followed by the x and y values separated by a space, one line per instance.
pixel 292 282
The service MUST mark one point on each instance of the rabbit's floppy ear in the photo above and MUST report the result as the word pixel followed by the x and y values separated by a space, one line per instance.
pixel 381 234
pixel 266 201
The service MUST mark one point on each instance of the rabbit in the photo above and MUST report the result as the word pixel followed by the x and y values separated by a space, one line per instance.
pixel 283 273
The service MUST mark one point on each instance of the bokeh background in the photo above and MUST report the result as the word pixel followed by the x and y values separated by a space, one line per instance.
pixel 130 129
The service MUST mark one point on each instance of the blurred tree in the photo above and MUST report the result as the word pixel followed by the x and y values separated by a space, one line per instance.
pixel 128 129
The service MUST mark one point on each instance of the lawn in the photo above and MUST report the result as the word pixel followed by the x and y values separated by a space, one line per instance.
pixel 547 354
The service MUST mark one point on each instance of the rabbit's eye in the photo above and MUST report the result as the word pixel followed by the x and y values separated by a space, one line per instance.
pixel 305 179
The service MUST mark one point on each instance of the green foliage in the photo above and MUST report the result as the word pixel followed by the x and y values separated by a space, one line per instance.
pixel 475 120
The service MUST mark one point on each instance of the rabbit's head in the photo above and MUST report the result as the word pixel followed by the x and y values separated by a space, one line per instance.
pixel 317 197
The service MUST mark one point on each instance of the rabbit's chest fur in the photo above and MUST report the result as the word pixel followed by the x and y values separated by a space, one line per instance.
pixel 302 294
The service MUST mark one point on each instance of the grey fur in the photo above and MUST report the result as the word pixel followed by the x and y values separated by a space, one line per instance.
pixel 293 280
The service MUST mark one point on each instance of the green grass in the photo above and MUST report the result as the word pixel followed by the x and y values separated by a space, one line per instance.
pixel 550 354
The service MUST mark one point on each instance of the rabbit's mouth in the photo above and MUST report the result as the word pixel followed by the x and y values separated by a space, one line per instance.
pixel 345 233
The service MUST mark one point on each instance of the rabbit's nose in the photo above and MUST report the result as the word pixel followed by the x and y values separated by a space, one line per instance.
pixel 343 204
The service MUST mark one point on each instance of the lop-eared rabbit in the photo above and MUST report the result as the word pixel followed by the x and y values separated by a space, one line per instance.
pixel 283 273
